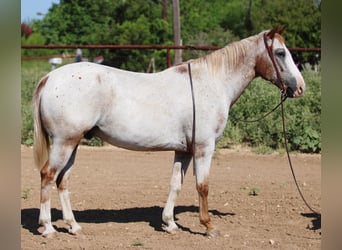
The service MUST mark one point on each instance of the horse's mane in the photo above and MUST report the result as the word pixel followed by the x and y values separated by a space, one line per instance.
pixel 229 57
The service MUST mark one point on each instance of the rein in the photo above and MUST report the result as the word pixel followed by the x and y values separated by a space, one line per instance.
pixel 290 163
pixel 282 100
pixel 283 97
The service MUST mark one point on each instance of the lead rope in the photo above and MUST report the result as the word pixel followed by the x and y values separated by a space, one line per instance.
pixel 283 98
pixel 290 163
pixel 193 116
pixel 283 88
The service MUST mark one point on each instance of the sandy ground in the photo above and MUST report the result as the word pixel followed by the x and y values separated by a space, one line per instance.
pixel 118 197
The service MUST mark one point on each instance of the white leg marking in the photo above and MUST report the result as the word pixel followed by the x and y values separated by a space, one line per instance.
pixel 175 187
pixel 68 215
pixel 45 219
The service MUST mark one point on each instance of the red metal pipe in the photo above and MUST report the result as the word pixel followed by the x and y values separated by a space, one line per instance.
pixel 117 46
pixel 168 47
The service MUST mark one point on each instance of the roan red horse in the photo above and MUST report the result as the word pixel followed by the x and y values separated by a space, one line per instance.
pixel 158 111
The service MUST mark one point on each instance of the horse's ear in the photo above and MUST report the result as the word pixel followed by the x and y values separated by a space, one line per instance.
pixel 275 30
pixel 281 30
pixel 272 32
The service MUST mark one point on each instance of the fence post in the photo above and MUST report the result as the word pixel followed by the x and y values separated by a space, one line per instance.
pixel 168 58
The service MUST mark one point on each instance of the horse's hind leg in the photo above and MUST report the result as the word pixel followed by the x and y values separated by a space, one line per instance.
pixel 63 192
pixel 180 166
pixel 47 175
pixel 59 157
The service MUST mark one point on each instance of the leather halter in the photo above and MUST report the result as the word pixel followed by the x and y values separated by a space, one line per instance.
pixel 280 81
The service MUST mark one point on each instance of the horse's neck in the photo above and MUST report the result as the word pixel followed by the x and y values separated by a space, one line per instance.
pixel 233 67
pixel 237 85
pixel 236 81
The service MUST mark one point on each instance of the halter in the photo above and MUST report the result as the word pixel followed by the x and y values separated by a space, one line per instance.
pixel 280 83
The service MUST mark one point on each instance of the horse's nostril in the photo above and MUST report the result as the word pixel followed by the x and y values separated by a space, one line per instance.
pixel 301 90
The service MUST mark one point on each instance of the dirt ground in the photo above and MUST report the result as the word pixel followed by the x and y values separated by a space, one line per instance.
pixel 118 196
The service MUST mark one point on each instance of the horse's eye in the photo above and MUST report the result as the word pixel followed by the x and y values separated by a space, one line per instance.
pixel 280 53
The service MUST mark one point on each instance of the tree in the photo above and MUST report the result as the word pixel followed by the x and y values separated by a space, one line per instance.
pixel 26 30
pixel 302 19
pixel 203 22
pixel 109 22
pixel 31 35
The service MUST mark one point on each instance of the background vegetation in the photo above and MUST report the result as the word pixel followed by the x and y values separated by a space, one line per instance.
pixel 302 118
pixel 203 22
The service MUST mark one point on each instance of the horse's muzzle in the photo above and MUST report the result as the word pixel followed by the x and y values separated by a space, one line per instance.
pixel 291 86
pixel 290 92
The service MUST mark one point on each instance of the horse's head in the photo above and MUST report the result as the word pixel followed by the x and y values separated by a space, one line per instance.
pixel 275 64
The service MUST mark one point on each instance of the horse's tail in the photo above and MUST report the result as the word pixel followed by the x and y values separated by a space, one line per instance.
pixel 41 144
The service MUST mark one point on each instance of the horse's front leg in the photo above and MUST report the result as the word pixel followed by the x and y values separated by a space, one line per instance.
pixel 180 166
pixel 203 155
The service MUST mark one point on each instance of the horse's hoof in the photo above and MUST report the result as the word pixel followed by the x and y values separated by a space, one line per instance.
pixel 173 231
pixel 49 235
pixel 170 229
pixel 49 232
pixel 75 230
pixel 213 233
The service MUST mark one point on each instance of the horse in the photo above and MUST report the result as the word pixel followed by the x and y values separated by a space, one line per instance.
pixel 183 109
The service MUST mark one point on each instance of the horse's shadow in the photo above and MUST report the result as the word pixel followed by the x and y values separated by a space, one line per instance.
pixel 151 215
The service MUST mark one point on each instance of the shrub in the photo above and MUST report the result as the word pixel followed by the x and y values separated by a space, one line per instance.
pixel 302 117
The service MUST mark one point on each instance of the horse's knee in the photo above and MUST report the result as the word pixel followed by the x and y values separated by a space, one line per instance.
pixel 47 174
pixel 203 189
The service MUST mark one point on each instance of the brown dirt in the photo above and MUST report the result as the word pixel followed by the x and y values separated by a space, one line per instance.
pixel 118 197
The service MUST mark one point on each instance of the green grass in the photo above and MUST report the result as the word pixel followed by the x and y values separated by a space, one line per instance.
pixel 137 243
pixel 25 193
pixel 254 192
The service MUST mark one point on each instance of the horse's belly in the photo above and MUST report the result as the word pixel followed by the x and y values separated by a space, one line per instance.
pixel 143 139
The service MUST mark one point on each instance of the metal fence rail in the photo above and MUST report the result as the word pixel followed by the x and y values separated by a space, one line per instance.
pixel 168 48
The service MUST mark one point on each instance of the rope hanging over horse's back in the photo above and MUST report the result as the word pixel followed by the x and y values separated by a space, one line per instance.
pixel 193 139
